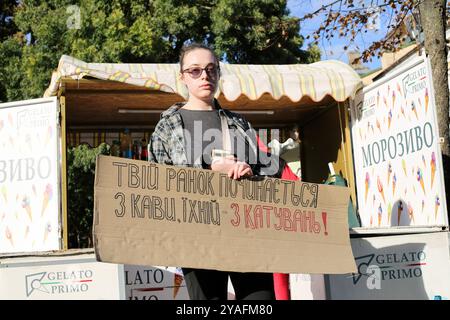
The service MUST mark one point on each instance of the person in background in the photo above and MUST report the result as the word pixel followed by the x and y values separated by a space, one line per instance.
pixel 199 133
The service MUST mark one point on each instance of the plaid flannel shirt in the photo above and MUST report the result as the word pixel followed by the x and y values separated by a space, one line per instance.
pixel 167 145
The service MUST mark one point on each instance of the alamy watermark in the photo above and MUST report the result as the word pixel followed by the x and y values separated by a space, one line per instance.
pixel 374 277
pixel 74 19
pixel 244 146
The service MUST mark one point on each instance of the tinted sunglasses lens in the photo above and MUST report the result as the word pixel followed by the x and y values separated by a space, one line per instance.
pixel 212 71
pixel 196 72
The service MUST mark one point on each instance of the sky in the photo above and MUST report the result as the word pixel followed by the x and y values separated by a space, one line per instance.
pixel 334 49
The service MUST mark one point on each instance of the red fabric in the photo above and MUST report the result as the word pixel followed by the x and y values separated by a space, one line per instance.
pixel 288 174
pixel 261 145
pixel 280 280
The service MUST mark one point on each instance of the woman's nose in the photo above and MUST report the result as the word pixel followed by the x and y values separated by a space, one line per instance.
pixel 204 74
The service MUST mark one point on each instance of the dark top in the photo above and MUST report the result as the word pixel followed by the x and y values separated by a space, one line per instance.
pixel 202 133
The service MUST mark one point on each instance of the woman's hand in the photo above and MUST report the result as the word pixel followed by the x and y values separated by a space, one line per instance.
pixel 235 169
pixel 240 169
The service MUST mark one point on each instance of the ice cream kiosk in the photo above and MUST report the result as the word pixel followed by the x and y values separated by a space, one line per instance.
pixel 91 103
pixel 401 250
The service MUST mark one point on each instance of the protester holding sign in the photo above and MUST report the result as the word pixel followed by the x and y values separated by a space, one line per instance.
pixel 199 133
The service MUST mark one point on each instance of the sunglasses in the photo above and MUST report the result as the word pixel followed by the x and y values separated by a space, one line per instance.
pixel 195 72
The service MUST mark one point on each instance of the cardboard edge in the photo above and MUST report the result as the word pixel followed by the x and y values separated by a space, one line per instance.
pixel 95 217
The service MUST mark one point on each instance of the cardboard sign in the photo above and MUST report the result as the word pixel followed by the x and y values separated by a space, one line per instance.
pixel 152 214
pixel 397 267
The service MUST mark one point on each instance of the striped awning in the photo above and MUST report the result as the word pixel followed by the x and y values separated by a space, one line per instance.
pixel 316 80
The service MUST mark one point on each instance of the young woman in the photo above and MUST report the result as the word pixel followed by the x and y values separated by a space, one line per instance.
pixel 187 135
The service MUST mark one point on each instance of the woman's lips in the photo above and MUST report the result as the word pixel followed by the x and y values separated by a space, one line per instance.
pixel 206 86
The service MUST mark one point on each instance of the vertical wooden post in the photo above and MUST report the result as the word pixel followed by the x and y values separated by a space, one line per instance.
pixel 64 213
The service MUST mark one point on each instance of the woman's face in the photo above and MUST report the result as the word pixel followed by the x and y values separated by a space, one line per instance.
pixel 201 86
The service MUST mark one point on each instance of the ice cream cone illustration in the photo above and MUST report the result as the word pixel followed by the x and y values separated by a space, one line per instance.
pixel 48 193
pixel 433 168
pixel 9 236
pixel 378 98
pixel 420 179
pixel 389 119
pixel 410 212
pixel 389 212
pixel 177 281
pixel 403 111
pixel 28 141
pixel 380 188
pixel 437 204
pixel 399 89
pixel 427 99
pixel 378 125
pixel 27 231
pixel 385 101
pixel 371 220
pixel 414 109
pixel 399 212
pixel 424 161
pixel 5 193
pixel 373 200
pixel 380 214
pixel 420 102
pixel 404 167
pixel 48 229
pixel 389 89
pixel 389 172
pixel 367 184
pixel 393 98
pixel 48 135
pixel 423 205
pixel 394 183
pixel 26 206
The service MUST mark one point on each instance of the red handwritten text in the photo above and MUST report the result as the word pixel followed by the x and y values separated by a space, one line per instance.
pixel 271 217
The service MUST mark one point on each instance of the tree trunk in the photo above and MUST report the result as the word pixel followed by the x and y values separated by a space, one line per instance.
pixel 433 21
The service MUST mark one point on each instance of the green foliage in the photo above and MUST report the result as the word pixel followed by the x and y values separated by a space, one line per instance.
pixel 140 31
pixel 7 26
pixel 80 189
pixel 262 32
pixel 10 79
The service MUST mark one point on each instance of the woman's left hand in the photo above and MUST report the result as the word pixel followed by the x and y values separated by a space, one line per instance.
pixel 240 169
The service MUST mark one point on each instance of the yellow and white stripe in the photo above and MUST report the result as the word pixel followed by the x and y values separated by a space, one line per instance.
pixel 294 81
